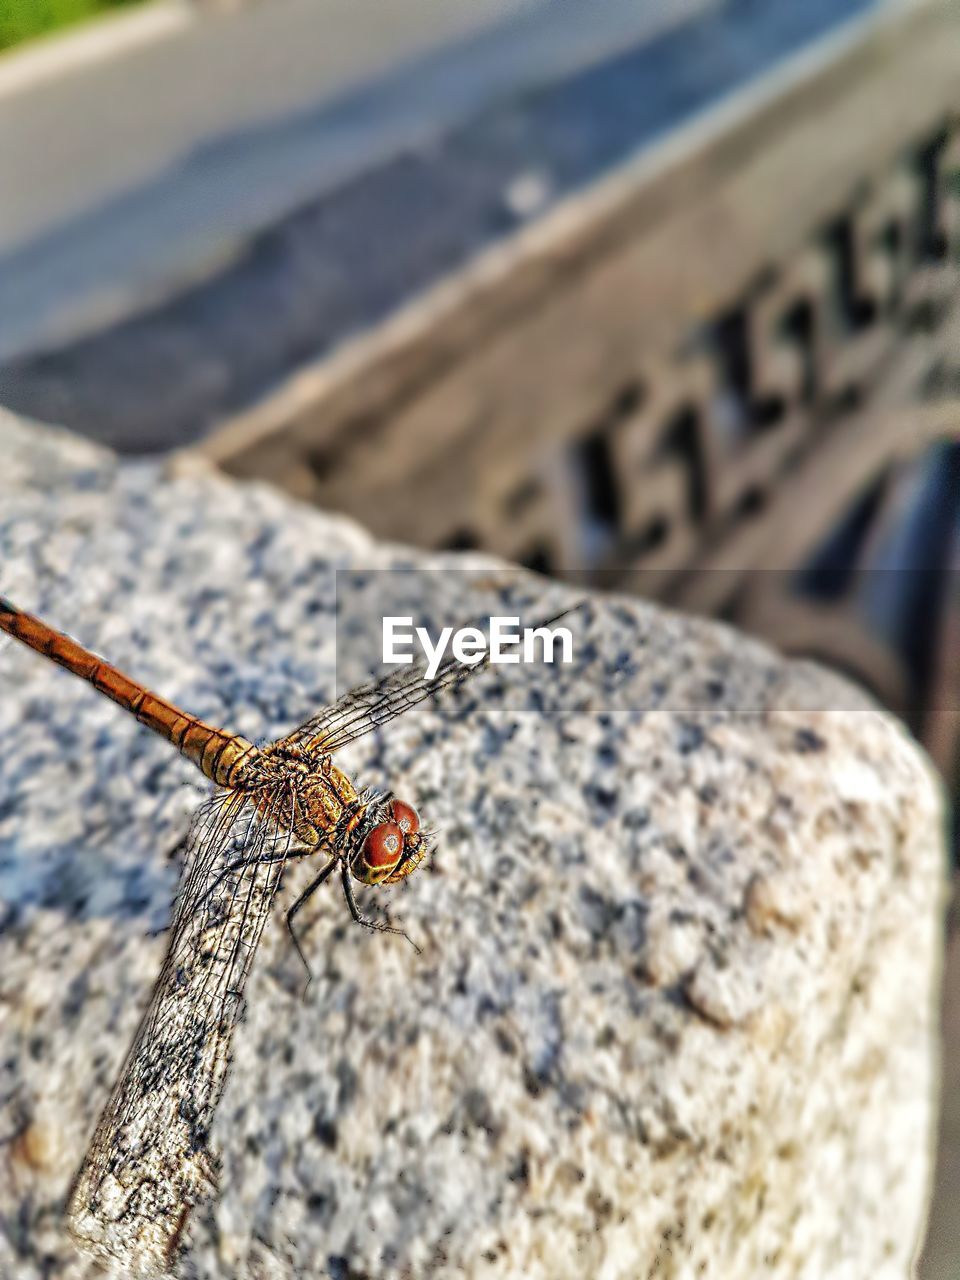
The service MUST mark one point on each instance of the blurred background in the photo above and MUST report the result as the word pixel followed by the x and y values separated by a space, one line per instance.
pixel 662 297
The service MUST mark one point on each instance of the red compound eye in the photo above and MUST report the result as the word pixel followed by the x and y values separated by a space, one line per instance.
pixel 383 846
pixel 406 818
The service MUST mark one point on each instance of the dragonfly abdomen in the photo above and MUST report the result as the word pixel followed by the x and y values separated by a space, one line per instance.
pixel 219 755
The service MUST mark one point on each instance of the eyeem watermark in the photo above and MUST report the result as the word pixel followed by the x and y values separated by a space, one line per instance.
pixel 507 643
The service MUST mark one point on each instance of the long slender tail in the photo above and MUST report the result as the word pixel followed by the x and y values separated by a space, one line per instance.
pixel 220 755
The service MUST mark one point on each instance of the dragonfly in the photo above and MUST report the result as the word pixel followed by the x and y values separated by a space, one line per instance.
pixel 149 1161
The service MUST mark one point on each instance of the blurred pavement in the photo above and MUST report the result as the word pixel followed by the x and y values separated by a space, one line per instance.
pixel 135 175
pixel 182 300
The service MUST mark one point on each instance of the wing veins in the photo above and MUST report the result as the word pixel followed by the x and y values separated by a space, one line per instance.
pixel 127 1199
pixel 371 705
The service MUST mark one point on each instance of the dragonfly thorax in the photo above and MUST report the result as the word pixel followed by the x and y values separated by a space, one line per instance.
pixel 285 759
pixel 323 801
pixel 308 795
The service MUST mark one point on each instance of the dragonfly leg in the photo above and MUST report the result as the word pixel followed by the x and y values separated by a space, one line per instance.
pixel 305 897
pixel 379 925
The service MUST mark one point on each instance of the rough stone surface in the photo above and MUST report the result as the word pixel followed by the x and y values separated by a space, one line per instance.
pixel 675 1008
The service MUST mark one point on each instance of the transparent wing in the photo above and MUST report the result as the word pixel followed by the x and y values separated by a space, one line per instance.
pixel 148 1161
pixel 376 703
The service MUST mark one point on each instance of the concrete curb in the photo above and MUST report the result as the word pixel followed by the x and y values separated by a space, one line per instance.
pixel 95 41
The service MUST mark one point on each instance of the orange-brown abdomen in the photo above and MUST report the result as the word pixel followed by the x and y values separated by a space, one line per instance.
pixel 220 755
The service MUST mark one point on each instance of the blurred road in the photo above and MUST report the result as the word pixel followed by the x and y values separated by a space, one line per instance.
pixel 161 309
pixel 135 175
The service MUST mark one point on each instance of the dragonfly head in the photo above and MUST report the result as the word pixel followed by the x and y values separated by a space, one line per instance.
pixel 389 844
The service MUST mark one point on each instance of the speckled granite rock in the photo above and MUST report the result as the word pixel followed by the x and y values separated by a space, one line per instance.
pixel 674 1014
